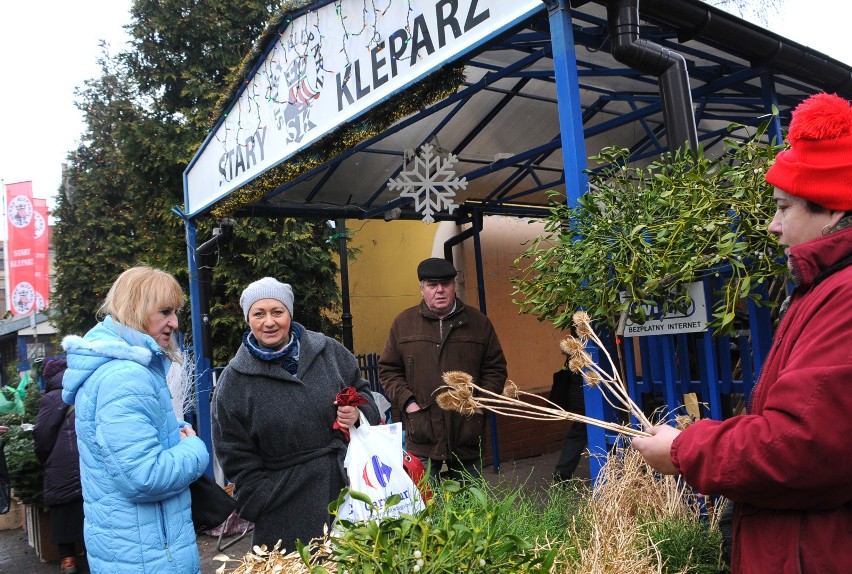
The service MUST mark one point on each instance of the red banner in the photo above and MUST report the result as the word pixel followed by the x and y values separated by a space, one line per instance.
pixel 21 275
pixel 41 246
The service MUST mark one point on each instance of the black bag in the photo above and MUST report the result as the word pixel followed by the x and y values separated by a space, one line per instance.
pixel 567 391
pixel 211 505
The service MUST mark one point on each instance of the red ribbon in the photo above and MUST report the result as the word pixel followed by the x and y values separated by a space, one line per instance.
pixel 348 397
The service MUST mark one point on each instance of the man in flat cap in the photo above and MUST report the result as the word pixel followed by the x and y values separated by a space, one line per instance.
pixel 438 335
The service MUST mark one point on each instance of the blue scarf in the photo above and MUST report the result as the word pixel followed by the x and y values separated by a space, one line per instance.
pixel 288 356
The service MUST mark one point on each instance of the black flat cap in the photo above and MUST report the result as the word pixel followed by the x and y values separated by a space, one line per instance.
pixel 435 268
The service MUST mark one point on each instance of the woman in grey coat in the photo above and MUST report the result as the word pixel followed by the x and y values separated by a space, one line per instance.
pixel 278 432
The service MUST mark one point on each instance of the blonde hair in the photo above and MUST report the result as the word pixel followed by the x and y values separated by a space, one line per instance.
pixel 136 293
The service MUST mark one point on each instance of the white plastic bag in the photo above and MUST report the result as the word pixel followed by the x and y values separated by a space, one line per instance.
pixel 374 466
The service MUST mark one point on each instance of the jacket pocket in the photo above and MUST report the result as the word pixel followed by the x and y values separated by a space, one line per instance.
pixel 470 430
pixel 418 426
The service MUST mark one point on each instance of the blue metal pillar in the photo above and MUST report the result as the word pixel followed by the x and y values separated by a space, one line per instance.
pixel 480 289
pixel 568 96
pixel 711 373
pixel 576 179
pixel 203 372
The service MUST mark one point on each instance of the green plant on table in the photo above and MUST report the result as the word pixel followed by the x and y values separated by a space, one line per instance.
pixel 463 529
pixel 642 234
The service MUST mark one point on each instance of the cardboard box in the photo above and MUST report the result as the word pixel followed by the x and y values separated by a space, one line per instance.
pixel 14 518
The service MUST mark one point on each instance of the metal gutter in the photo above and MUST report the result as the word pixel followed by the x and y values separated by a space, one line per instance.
pixel 695 20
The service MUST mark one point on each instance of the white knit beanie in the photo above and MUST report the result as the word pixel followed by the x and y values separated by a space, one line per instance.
pixel 266 288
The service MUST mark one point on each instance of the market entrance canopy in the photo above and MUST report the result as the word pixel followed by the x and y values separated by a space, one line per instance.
pixel 329 66
pixel 338 97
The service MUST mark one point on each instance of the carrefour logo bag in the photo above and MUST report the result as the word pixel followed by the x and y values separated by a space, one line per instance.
pixel 374 464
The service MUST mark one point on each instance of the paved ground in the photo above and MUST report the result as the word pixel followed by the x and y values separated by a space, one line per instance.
pixel 17 557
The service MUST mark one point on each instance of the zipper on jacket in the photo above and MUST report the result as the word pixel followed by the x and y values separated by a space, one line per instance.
pixel 165 532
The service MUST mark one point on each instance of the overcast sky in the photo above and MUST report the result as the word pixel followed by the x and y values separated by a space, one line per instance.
pixel 49 48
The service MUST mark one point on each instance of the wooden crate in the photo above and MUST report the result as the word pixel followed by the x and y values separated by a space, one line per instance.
pixel 38 534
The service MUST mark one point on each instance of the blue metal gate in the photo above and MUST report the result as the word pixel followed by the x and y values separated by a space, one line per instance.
pixel 660 369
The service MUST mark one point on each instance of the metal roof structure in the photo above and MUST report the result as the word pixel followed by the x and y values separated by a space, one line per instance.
pixel 503 124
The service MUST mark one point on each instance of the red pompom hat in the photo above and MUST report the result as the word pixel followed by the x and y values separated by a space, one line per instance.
pixel 818 164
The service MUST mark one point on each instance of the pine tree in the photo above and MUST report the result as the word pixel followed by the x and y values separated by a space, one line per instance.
pixel 146 117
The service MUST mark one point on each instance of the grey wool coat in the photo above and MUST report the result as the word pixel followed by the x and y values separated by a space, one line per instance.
pixel 273 435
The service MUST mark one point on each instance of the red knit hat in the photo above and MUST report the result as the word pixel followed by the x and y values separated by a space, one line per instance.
pixel 818 165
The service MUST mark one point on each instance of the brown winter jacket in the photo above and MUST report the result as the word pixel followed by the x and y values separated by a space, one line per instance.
pixel 420 348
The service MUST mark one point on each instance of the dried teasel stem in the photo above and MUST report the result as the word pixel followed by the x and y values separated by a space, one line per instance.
pixel 613 383
pixel 459 396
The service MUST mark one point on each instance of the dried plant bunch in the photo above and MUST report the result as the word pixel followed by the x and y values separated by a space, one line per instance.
pixel 612 529
pixel 278 561
pixel 610 382
pixel 459 393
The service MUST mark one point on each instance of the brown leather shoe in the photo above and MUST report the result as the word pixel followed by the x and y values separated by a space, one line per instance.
pixel 68 566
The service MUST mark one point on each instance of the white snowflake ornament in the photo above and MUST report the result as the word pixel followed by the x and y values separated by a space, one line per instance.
pixel 431 181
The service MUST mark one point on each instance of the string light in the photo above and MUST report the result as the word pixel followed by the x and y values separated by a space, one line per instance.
pixel 428 91
pixel 290 53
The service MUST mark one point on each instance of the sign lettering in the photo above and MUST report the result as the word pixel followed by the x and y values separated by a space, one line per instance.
pixel 323 70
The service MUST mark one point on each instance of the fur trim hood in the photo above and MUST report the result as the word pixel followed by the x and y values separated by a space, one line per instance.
pixel 107 341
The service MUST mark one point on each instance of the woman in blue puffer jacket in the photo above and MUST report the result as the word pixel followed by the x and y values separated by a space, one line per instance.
pixel 136 460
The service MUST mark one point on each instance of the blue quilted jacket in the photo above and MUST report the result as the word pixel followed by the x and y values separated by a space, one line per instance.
pixel 134 468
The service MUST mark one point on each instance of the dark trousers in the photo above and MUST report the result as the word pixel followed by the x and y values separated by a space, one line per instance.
pixel 456 469
pixel 572 450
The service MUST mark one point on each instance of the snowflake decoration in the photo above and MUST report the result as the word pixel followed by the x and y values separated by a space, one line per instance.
pixel 431 181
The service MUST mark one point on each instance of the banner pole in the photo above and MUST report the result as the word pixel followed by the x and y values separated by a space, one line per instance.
pixel 5 232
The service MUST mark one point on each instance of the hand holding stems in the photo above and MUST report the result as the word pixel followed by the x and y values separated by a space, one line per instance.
pixel 3 430
pixel 656 449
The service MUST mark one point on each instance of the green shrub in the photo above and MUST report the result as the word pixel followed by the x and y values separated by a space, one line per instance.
pixel 25 471
pixel 464 528
pixel 686 546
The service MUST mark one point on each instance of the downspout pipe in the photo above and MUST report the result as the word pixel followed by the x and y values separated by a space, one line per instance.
pixel 650 58
pixel 203 252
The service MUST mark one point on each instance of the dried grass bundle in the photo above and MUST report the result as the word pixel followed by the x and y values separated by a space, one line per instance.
pixel 610 532
pixel 277 561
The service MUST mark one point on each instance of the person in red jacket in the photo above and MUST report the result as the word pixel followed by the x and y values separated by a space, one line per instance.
pixel 787 463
